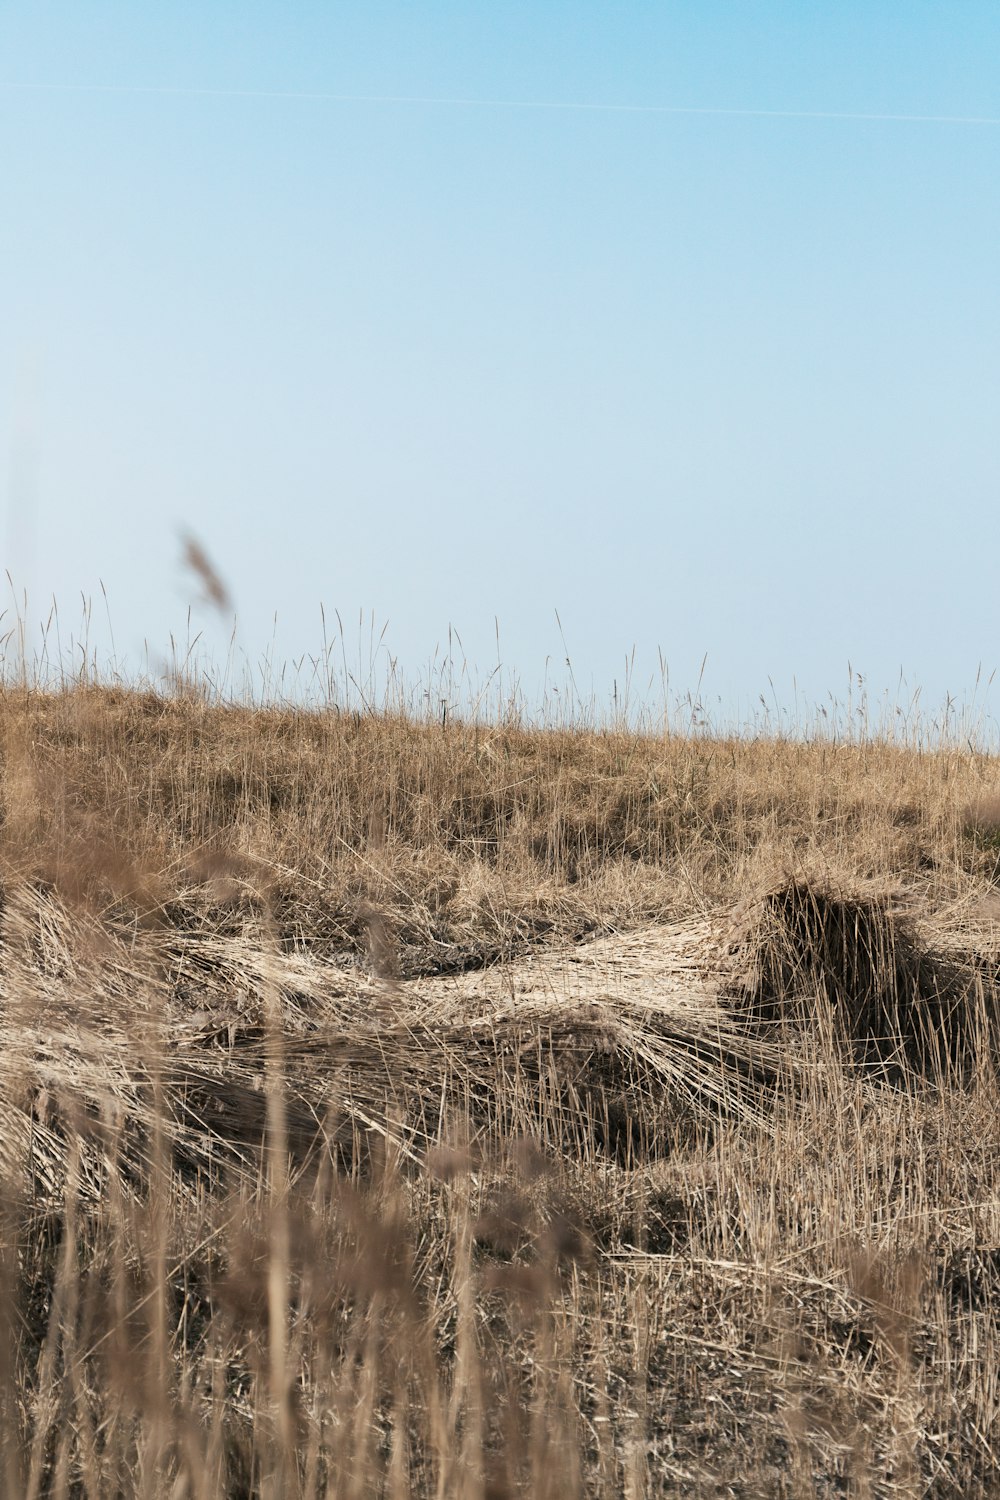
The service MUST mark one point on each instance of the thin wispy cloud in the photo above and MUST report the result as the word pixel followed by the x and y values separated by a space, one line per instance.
pixel 461 102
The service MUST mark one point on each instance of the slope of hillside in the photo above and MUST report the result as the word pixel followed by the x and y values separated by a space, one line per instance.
pixel 403 1109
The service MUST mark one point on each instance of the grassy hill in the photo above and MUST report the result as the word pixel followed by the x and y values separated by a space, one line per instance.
pixel 404 1108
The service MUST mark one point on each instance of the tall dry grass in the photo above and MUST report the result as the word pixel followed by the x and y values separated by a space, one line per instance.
pixel 274 1225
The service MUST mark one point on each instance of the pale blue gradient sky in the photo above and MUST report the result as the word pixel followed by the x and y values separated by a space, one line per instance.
pixel 711 383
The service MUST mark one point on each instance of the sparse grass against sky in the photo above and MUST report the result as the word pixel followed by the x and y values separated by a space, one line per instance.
pixel 389 308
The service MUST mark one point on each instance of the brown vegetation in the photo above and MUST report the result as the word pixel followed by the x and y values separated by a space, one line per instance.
pixel 399 1108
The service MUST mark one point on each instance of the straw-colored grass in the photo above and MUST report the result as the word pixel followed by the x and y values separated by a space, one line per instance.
pixel 395 1108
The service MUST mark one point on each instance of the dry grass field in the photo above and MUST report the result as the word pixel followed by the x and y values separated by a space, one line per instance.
pixel 399 1108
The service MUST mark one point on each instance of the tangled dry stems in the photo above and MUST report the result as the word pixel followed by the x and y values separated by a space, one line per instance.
pixel 283 1217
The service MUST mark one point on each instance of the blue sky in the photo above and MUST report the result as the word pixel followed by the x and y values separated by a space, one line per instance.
pixel 723 383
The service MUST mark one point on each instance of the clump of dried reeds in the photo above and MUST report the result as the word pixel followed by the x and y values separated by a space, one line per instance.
pixel 177 1023
pixel 815 953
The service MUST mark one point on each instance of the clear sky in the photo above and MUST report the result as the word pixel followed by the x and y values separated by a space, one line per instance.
pixel 321 284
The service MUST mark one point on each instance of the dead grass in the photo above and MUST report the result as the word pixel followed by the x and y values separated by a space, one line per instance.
pixel 340 1159
pixel 858 966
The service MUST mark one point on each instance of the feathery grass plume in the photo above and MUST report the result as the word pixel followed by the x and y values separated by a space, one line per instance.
pixel 197 561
